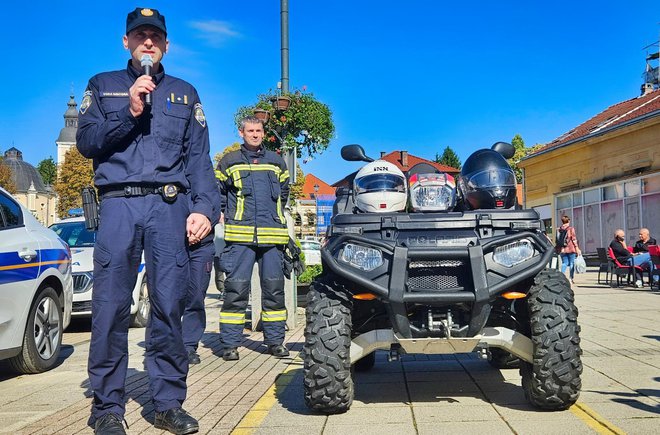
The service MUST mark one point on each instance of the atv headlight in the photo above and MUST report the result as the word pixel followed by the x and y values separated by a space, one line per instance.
pixel 513 253
pixel 361 257
pixel 432 192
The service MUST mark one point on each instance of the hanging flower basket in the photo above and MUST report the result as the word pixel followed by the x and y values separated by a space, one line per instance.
pixel 281 102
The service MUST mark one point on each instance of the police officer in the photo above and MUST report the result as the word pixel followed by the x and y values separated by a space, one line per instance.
pixel 254 187
pixel 194 315
pixel 151 161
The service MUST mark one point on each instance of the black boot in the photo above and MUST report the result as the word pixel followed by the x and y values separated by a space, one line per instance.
pixel 109 424
pixel 177 421
pixel 193 357
pixel 278 350
pixel 230 354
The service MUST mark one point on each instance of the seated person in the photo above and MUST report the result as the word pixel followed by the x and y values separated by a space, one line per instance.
pixel 623 256
pixel 645 239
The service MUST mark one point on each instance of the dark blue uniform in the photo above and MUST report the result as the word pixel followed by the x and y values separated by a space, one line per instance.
pixel 254 186
pixel 168 145
pixel 194 315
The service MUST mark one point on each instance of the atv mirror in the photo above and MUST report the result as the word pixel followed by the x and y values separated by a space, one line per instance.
pixel 354 153
pixel 505 149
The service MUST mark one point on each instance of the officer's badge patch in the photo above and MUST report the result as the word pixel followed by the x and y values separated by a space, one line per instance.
pixel 147 12
pixel 86 102
pixel 199 115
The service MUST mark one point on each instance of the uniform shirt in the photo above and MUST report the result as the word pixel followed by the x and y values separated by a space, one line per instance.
pixel 169 144
pixel 254 187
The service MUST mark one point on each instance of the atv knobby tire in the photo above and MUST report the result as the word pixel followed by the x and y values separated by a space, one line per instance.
pixel 552 381
pixel 328 383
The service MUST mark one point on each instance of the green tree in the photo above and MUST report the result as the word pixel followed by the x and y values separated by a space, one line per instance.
pixel 520 153
pixel 76 173
pixel 218 156
pixel 47 168
pixel 6 178
pixel 306 124
pixel 297 187
pixel 448 158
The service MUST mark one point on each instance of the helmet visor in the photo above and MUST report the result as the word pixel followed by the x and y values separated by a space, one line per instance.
pixel 492 178
pixel 380 183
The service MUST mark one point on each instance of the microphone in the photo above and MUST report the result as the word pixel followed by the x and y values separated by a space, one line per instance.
pixel 147 63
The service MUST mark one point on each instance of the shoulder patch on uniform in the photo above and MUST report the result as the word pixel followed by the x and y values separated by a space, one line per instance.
pixel 199 115
pixel 86 102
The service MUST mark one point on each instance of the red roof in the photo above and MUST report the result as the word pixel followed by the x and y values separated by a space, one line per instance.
pixel 398 158
pixel 308 188
pixel 611 117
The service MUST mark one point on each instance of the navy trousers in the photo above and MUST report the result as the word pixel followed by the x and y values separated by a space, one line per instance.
pixel 127 227
pixel 194 315
pixel 237 261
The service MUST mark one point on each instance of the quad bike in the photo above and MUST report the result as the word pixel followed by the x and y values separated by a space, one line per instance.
pixel 450 270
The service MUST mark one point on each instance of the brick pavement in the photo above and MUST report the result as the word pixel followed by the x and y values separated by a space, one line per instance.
pixel 419 394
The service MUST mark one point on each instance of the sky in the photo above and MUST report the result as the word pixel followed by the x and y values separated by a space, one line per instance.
pixel 418 75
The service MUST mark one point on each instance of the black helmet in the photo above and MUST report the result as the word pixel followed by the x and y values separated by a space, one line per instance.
pixel 487 181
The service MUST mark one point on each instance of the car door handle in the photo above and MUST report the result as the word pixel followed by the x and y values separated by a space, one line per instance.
pixel 27 254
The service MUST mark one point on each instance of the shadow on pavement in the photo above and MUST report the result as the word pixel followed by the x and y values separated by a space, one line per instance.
pixel 631 398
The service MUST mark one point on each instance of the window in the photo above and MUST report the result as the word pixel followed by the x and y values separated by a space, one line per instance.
pixel 591 196
pixel 10 213
pixel 651 184
pixel 564 201
pixel 632 188
pixel 577 199
pixel 298 219
pixel 310 219
pixel 614 191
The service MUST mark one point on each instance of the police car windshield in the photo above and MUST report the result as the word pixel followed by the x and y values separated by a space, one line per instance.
pixel 75 234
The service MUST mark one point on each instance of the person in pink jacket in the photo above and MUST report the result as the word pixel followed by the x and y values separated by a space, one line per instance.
pixel 570 250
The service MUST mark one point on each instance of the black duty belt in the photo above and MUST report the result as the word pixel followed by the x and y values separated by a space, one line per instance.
pixel 167 191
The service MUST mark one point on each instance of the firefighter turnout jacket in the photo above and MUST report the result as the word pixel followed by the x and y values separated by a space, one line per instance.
pixel 254 187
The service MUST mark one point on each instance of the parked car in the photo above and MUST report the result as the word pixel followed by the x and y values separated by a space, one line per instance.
pixel 36 289
pixel 312 251
pixel 81 240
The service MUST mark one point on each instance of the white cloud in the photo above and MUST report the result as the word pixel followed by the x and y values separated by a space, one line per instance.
pixel 214 32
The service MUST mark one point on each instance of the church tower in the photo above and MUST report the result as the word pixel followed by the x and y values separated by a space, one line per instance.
pixel 67 137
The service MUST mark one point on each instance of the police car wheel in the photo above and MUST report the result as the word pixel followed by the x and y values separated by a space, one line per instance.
pixel 141 316
pixel 43 335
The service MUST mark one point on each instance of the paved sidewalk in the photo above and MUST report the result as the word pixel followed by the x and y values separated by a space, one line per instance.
pixel 417 395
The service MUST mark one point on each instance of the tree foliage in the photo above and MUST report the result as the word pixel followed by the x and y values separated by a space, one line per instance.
pixel 306 124
pixel 448 158
pixel 520 153
pixel 218 156
pixel 76 173
pixel 6 178
pixel 47 168
pixel 297 187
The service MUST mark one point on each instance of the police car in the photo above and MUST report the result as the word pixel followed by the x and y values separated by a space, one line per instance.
pixel 36 289
pixel 81 240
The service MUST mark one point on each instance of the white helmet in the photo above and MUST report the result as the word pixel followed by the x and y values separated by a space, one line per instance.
pixel 380 187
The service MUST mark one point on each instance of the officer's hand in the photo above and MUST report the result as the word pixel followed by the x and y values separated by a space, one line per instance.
pixel 142 86
pixel 197 227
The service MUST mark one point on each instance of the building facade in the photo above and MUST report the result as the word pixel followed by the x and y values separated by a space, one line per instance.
pixel 604 174
pixel 313 210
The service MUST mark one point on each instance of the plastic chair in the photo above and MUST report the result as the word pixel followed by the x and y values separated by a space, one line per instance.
pixel 654 250
pixel 623 269
pixel 604 265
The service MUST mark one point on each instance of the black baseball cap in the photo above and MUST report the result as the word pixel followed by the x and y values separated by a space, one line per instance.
pixel 145 17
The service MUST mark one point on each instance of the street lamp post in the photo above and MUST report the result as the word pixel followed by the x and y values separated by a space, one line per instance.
pixel 316 209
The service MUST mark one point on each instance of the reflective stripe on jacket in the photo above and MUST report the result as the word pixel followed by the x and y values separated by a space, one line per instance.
pixel 254 187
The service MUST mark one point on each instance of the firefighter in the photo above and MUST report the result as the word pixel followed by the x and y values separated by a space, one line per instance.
pixel 254 187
